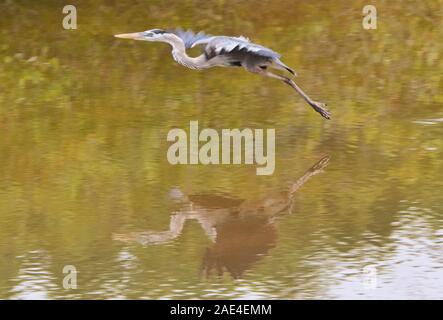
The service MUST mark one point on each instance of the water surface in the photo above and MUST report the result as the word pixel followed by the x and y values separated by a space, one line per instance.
pixel 84 178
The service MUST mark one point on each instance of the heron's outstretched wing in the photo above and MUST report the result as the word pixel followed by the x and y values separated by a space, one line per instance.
pixel 222 45
pixel 189 37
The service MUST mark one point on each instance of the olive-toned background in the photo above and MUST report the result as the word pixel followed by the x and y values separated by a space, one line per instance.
pixel 83 124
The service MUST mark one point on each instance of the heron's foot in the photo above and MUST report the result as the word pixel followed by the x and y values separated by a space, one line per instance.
pixel 321 108
pixel 320 165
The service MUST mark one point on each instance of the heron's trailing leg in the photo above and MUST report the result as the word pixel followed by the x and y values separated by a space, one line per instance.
pixel 317 106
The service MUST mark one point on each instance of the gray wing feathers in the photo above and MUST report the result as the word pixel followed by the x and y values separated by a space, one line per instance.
pixel 222 45
pixel 189 37
pixel 218 45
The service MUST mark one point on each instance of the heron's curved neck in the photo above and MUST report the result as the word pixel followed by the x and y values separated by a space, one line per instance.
pixel 179 54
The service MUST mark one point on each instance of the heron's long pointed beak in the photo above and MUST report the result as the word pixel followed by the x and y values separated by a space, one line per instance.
pixel 133 36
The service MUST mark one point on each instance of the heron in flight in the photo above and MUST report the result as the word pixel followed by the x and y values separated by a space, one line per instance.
pixel 225 51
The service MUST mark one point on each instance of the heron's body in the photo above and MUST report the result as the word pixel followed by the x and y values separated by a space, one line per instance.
pixel 224 51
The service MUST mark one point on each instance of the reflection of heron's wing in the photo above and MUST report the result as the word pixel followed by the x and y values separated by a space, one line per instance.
pixel 215 201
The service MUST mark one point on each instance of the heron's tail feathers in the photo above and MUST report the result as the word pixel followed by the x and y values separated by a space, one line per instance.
pixel 281 66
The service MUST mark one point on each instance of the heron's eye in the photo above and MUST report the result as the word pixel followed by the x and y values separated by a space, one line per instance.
pixel 158 31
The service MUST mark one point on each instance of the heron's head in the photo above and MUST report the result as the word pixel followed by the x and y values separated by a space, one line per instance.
pixel 157 35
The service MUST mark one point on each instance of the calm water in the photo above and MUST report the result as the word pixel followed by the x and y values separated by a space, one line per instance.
pixel 84 178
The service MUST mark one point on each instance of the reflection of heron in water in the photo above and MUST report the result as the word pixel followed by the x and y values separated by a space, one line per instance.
pixel 223 51
pixel 241 230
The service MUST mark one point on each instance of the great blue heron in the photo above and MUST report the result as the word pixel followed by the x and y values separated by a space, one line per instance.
pixel 224 51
